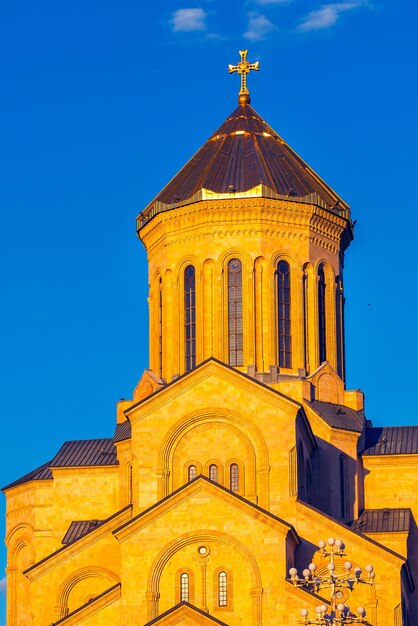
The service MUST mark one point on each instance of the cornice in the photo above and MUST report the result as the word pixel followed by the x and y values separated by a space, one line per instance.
pixel 246 217
pixel 390 459
pixel 85 470
pixel 326 522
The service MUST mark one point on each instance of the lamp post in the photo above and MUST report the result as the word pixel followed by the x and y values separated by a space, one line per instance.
pixel 336 613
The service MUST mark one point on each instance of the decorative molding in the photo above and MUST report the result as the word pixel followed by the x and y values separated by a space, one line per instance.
pixel 270 218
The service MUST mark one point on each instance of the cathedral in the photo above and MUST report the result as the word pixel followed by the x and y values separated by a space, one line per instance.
pixel 243 484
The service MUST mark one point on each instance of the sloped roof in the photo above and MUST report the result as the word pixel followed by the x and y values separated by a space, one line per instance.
pixel 338 415
pixel 86 452
pixel 78 529
pixel 122 431
pixel 243 153
pixel 382 521
pixel 391 440
pixel 40 473
pixel 79 453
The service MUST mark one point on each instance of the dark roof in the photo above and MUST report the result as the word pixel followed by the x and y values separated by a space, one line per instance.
pixel 391 440
pixel 122 431
pixel 338 415
pixel 86 452
pixel 383 521
pixel 40 473
pixel 190 606
pixel 76 530
pixel 243 153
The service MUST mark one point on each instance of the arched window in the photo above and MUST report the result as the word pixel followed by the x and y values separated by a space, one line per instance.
pixel 160 327
pixel 342 487
pixel 283 315
pixel 305 320
pixel 235 335
pixel 339 317
pixel 213 472
pixel 222 589
pixel 321 316
pixel 190 317
pixel 234 477
pixel 184 587
pixel 192 473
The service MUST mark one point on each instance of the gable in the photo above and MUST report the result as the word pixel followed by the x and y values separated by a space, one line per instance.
pixel 194 502
pixel 185 614
pixel 217 379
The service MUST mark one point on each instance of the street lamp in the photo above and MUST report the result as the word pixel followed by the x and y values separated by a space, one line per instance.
pixel 336 613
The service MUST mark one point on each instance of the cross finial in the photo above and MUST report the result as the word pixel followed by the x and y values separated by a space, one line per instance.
pixel 243 68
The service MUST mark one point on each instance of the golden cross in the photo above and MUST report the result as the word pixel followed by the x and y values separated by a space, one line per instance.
pixel 243 68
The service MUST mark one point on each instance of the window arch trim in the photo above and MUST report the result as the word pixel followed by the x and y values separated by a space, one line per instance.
pixel 283 273
pixel 191 585
pixel 229 606
pixel 189 310
pixel 220 468
pixel 241 475
pixel 197 465
pixel 235 311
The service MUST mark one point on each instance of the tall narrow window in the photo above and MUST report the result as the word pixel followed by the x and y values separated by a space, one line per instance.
pixel 160 327
pixel 321 316
pixel 222 589
pixel 235 335
pixel 305 320
pixel 339 316
pixel 283 314
pixel 184 587
pixel 190 317
pixel 342 488
pixel 234 477
pixel 192 472
pixel 213 472
pixel 301 473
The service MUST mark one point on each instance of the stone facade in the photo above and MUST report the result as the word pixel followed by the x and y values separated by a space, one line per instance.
pixel 152 532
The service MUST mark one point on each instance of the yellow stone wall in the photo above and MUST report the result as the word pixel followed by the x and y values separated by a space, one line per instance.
pixel 126 571
pixel 259 232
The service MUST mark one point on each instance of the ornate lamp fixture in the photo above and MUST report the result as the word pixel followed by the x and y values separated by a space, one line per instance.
pixel 336 613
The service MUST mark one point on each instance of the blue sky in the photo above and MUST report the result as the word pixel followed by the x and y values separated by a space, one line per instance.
pixel 102 103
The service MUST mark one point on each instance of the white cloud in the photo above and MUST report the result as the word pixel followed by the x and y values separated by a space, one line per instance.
pixel 327 15
pixel 3 582
pixel 258 27
pixel 263 2
pixel 189 20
